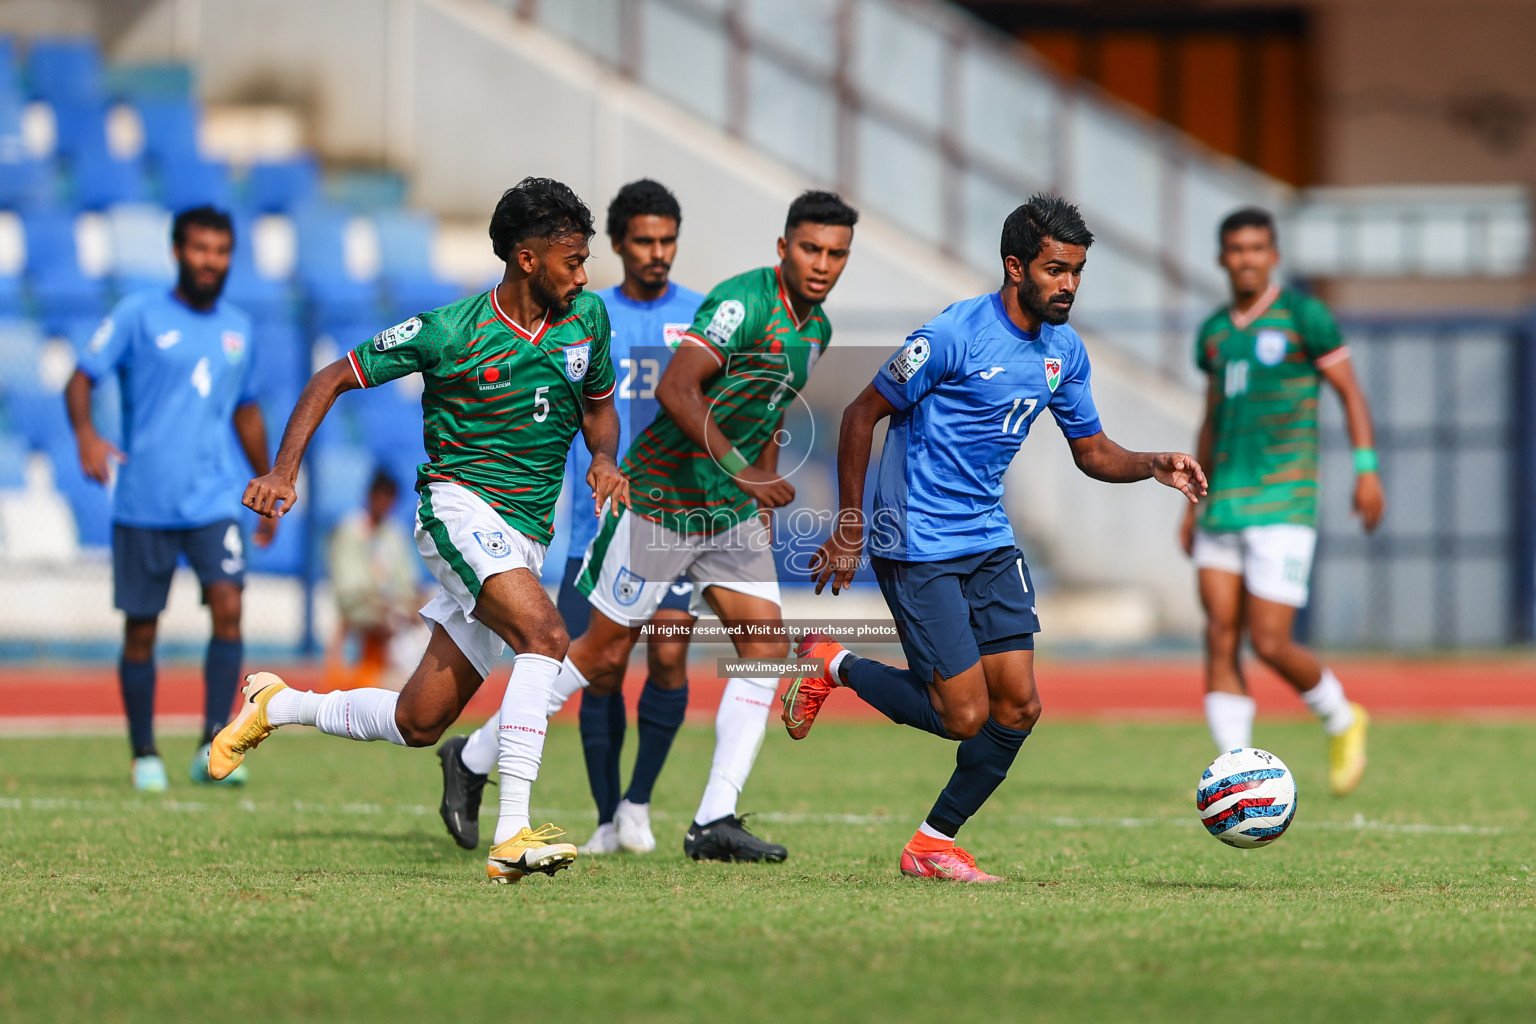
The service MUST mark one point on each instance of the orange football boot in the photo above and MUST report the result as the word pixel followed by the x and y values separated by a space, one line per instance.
pixel 804 697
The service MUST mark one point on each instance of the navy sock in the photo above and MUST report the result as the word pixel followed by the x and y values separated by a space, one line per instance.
pixel 597 744
pixel 660 714
pixel 616 728
pixel 221 677
pixel 136 679
pixel 896 693
pixel 981 764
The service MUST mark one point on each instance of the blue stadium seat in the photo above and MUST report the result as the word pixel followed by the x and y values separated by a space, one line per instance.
pixel 102 180
pixel 280 186
pixel 195 182
pixel 170 131
pixel 81 126
pixel 28 184
pixel 20 346
pixel 285 557
pixel 390 418
pixel 13 463
pixel 62 293
pixel 65 69
pixel 338 480
pixel 264 299
pixel 141 246
pixel 280 353
pixel 37 416
pixel 12 301
pixel 88 500
pixel 333 295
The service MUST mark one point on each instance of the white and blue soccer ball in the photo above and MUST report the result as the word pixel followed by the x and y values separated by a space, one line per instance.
pixel 1246 798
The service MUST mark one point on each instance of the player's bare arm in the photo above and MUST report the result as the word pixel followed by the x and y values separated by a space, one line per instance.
pixel 1204 445
pixel 681 394
pixel 600 429
pixel 251 429
pixel 1370 499
pixel 1099 457
pixel 96 453
pixel 838 557
pixel 272 494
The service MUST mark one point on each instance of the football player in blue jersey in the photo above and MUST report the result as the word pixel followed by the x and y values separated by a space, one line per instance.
pixel 182 357
pixel 961 396
pixel 648 312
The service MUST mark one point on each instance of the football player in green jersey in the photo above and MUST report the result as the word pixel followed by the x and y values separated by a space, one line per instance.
pixel 703 477
pixel 1253 540
pixel 509 377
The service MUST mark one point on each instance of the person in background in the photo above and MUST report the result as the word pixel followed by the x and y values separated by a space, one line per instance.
pixel 182 358
pixel 373 575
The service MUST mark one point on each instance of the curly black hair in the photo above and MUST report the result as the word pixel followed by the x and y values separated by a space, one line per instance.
pixel 1044 216
pixel 537 208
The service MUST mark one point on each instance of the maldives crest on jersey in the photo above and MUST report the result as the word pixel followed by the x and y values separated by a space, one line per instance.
pixel 576 359
pixel 495 376
pixel 627 587
pixel 234 345
pixel 1269 346
pixel 907 361
pixel 672 334
pixel 1052 372
pixel 494 542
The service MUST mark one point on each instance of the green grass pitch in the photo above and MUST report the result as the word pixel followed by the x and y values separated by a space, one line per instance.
pixel 328 890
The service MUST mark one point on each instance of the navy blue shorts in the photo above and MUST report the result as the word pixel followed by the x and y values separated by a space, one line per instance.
pixel 575 610
pixel 950 613
pixel 144 558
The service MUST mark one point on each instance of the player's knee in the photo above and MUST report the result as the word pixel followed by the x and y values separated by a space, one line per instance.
pixel 1270 644
pixel 420 730
pixel 668 666
pixel 139 640
pixel 963 722
pixel 1221 635
pixel 548 638
pixel 1021 716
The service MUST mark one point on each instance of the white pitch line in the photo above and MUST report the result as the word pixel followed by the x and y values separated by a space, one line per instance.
pixel 1357 824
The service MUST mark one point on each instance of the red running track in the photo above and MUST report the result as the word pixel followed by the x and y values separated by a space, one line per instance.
pixel 49 698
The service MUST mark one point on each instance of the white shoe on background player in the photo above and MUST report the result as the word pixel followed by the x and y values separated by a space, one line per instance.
pixel 604 840
pixel 633 824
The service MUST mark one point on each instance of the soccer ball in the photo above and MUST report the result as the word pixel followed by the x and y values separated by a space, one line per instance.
pixel 1246 798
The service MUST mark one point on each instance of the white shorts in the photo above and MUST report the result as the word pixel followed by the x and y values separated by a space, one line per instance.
pixel 1274 561
pixel 633 560
pixel 464 543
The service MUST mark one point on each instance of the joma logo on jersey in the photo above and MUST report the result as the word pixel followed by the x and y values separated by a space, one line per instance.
pixel 1052 372
pixel 495 376
pixel 728 316
pixel 576 360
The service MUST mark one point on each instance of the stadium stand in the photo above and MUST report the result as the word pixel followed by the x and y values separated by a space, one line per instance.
pixel 93 162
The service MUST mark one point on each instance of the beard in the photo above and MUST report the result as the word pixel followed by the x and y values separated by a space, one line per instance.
pixel 1033 299
pixel 196 294
pixel 543 291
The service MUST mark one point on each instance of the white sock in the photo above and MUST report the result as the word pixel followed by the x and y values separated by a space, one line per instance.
pixel 521 726
pixel 1328 702
pixel 482 747
pixel 1230 716
pixel 570 681
pixel 363 714
pixel 293 707
pixel 836 663
pixel 933 833
pixel 740 725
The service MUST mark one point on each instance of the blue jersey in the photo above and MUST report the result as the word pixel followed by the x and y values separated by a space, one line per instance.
pixel 182 374
pixel 967 386
pixel 642 332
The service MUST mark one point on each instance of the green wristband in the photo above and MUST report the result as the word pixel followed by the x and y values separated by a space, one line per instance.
pixel 1366 461
pixel 733 462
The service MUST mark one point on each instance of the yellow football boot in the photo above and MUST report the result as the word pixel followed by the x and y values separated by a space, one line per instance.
pixel 248 729
pixel 529 850
pixel 1346 754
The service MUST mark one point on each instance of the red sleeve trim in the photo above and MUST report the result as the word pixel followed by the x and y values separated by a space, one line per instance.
pixel 357 368
pixel 1328 359
pixel 706 346
pixel 605 394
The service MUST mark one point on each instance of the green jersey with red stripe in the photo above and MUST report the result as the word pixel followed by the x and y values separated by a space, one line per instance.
pixel 1263 407
pixel 765 358
pixel 501 404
